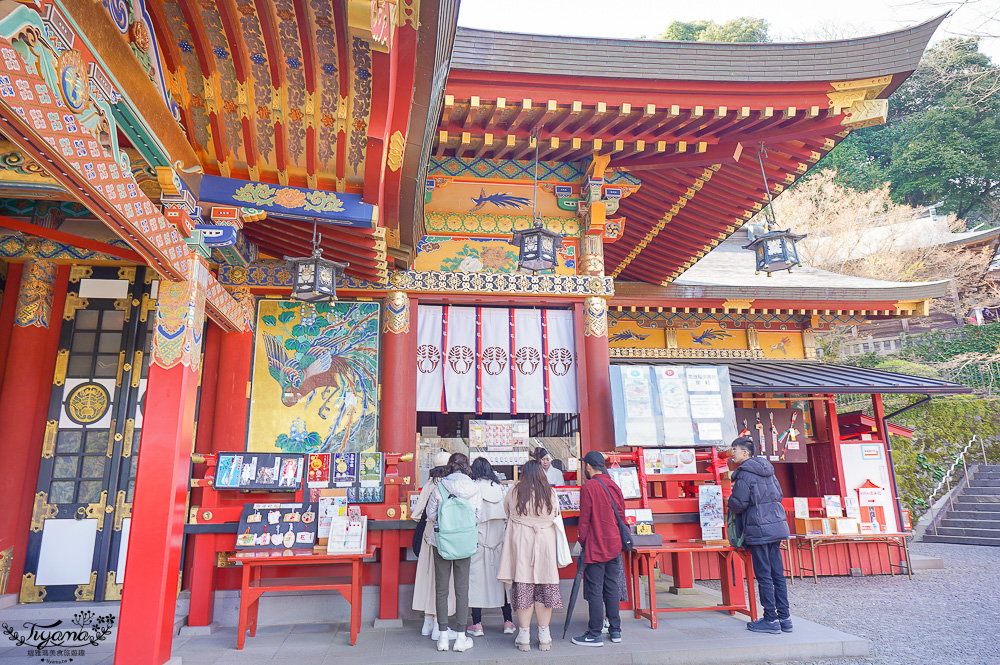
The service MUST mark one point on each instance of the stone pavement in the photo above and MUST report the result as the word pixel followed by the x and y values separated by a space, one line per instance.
pixel 691 638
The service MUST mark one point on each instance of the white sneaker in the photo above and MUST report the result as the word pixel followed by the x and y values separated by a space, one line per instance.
pixel 430 625
pixel 435 633
pixel 523 639
pixel 443 642
pixel 462 643
pixel 544 638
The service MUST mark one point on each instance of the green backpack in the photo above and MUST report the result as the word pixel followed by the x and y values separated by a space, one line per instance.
pixel 734 530
pixel 456 529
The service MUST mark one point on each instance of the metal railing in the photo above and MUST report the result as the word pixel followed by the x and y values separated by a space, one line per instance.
pixel 945 483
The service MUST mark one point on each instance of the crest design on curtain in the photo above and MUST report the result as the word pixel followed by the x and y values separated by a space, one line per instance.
pixel 560 361
pixel 494 360
pixel 428 358
pixel 461 358
pixel 527 360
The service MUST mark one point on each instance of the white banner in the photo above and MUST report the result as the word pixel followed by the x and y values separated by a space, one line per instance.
pixel 485 363
pixel 460 366
pixel 562 366
pixel 529 365
pixel 429 359
pixel 494 360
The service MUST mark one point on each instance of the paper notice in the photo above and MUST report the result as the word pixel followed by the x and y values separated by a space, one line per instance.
pixel 703 379
pixel 706 407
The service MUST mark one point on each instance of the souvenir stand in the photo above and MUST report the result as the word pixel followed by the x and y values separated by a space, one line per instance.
pixel 215 527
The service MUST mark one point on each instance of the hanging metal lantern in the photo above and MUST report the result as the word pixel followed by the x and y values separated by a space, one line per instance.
pixel 314 279
pixel 537 248
pixel 774 249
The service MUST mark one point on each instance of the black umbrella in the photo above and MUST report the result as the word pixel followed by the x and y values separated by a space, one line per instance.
pixel 574 592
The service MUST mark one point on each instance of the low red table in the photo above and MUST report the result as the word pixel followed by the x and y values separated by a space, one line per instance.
pixel 642 560
pixel 254 585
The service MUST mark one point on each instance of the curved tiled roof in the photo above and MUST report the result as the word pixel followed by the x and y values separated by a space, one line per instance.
pixel 877 55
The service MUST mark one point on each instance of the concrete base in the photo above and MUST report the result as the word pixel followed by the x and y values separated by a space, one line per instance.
pixel 186 630
pixel 8 600
pixel 681 592
pixel 688 638
pixel 388 623
pixel 926 562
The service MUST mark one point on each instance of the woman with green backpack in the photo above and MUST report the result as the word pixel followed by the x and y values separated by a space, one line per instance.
pixel 454 509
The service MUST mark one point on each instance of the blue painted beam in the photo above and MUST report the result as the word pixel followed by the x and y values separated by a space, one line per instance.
pixel 311 205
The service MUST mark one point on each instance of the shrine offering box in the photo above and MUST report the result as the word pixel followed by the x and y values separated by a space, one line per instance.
pixel 811 526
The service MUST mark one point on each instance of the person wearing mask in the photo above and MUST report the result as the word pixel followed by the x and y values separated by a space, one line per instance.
pixel 756 498
pixel 600 499
pixel 485 590
pixel 552 474
pixel 457 481
pixel 529 561
pixel 424 594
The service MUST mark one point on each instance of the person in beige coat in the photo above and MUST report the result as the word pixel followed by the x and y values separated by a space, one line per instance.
pixel 423 584
pixel 529 562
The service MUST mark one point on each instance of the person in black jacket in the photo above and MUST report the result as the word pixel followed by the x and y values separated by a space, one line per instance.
pixel 756 498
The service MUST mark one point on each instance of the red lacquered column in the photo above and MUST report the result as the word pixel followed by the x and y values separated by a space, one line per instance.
pixel 597 377
pixel 24 400
pixel 150 593
pixel 397 424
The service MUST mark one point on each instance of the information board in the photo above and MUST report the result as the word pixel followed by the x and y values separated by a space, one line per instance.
pixel 676 406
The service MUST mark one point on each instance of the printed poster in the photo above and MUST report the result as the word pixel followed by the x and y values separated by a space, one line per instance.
pixel 710 512
pixel 345 469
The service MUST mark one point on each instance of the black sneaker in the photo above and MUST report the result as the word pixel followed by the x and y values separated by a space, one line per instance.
pixel 764 625
pixel 588 640
pixel 786 625
pixel 616 636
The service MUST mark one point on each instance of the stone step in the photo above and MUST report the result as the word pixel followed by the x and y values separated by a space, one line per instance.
pixel 976 515
pixel 961 540
pixel 950 521
pixel 973 532
pixel 988 467
pixel 978 481
pixel 990 475
pixel 981 491
pixel 980 501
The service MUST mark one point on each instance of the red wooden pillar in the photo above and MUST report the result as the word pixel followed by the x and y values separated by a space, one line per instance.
pixel 150 594
pixel 838 458
pixel 24 400
pixel 233 352
pixel 597 376
pixel 879 410
pixel 397 425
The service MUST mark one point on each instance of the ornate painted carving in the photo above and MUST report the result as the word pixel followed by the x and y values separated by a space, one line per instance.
pixel 34 299
pixel 742 354
pixel 289 197
pixel 595 317
pixel 500 283
pixel 180 315
pixel 866 113
pixel 397 313
pixel 439 223
pixel 394 156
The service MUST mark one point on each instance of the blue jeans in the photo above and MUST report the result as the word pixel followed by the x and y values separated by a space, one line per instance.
pixel 600 588
pixel 770 574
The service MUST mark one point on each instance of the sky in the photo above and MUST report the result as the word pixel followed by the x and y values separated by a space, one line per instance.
pixel 790 20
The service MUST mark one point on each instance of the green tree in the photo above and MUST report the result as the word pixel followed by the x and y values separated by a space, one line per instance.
pixel 742 29
pixel 941 143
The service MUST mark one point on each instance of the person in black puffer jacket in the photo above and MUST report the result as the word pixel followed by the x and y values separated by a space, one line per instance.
pixel 756 498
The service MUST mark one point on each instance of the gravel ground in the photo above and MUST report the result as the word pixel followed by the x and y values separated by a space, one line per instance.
pixel 942 617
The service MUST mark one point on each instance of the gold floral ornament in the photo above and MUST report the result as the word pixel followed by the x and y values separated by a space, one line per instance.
pixel 261 194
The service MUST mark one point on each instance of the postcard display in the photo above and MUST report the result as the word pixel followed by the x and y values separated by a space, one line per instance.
pixel 259 472
pixel 501 442
pixel 672 406
pixel 361 475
